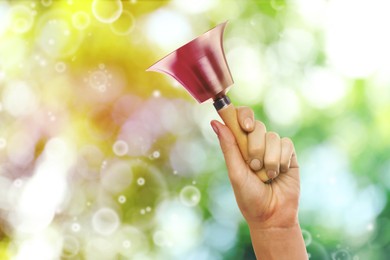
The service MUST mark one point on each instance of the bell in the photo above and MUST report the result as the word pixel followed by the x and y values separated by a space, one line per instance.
pixel 201 67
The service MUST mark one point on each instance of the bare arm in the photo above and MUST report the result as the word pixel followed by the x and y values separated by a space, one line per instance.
pixel 271 210
pixel 278 243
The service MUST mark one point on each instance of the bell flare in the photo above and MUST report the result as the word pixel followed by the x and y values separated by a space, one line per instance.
pixel 200 66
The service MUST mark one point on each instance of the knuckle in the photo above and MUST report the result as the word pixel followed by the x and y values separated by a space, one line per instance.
pixel 284 166
pixel 246 109
pixel 285 161
pixel 243 110
pixel 283 169
pixel 286 141
pixel 260 126
pixel 273 135
pixel 271 163
pixel 241 107
pixel 256 152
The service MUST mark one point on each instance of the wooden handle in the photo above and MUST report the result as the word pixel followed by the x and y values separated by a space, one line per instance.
pixel 229 116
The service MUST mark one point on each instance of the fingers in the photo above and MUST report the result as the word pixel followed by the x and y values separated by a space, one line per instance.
pixel 245 117
pixel 294 159
pixel 268 150
pixel 234 162
pixel 256 146
pixel 265 149
pixel 272 154
pixel 286 154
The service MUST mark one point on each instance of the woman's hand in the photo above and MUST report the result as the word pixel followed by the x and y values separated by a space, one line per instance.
pixel 263 205
pixel 271 209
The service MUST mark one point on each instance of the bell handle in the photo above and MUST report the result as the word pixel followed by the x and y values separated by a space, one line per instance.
pixel 228 113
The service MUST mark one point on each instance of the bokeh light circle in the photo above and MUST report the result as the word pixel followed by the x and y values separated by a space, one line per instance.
pixel 341 254
pixel 46 3
pixel 184 164
pixel 317 251
pixel 122 199
pixel 105 85
pixel 141 181
pixel 156 154
pixel 159 238
pixel 124 25
pixel 12 59
pixel 100 248
pixel 194 7
pixel 126 244
pixel 21 19
pixel 130 241
pixel 137 136
pixel 3 143
pixel 117 176
pixel 171 32
pixel 90 162
pixel 107 11
pixel 81 20
pixel 4 18
pixel 150 185
pixel 190 196
pixel 105 221
pixel 19 98
pixel 282 106
pixel 18 183
pixel 220 235
pixel 245 65
pixel 56 36
pixel 120 148
pixel 70 247
pixel 179 224
pixel 323 87
pixel 76 227
pixel 98 79
pixel 60 67
pixel 306 237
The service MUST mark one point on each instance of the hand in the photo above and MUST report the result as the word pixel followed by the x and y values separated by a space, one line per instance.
pixel 264 206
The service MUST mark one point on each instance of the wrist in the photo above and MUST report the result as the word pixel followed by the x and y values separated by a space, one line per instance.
pixel 279 243
pixel 279 222
pixel 275 233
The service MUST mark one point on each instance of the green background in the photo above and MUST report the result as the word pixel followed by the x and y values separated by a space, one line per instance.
pixel 102 160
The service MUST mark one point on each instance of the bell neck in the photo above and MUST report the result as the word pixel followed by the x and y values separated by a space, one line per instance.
pixel 221 102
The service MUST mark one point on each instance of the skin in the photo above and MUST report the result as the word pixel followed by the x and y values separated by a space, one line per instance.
pixel 271 210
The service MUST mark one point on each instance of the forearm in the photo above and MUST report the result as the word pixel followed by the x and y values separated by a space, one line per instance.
pixel 278 243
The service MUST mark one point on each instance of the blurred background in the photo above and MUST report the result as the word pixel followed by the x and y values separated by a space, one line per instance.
pixel 102 160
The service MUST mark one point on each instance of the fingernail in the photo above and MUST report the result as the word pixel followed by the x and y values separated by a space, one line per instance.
pixel 255 164
pixel 271 174
pixel 248 123
pixel 215 128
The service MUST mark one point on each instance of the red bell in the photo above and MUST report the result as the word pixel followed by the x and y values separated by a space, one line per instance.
pixel 201 67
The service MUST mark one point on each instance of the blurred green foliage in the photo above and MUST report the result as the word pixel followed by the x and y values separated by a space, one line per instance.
pixel 73 73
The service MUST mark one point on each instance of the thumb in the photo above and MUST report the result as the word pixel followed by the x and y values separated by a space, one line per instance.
pixel 237 168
